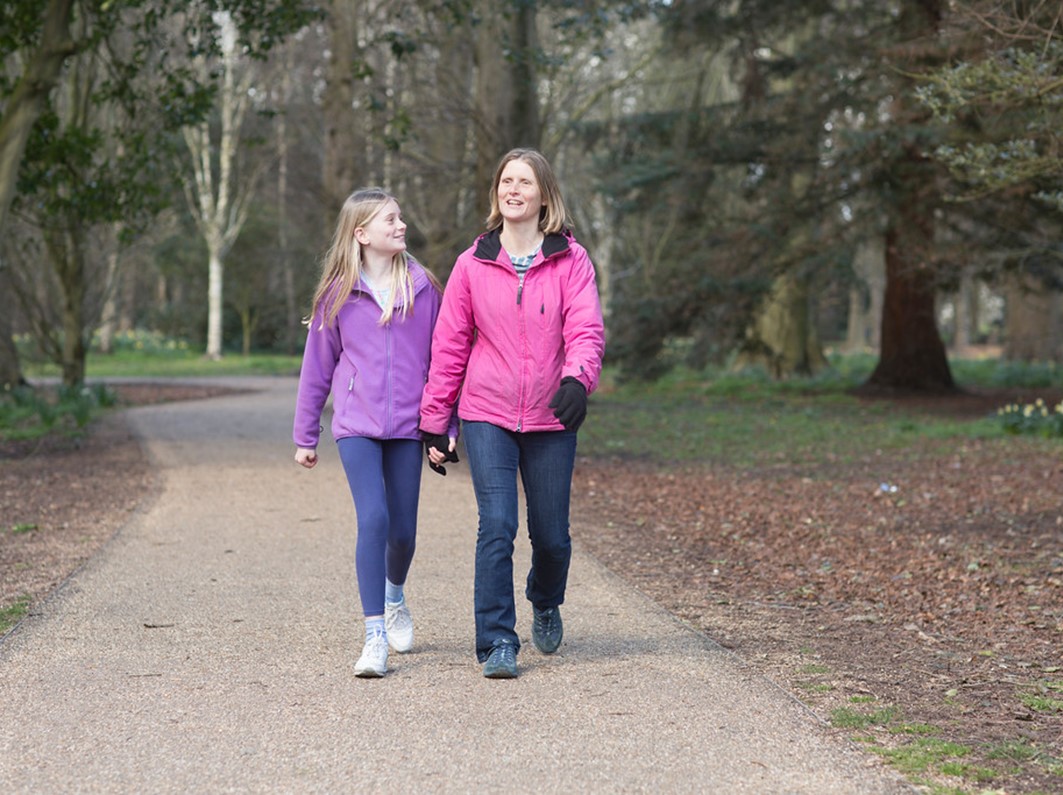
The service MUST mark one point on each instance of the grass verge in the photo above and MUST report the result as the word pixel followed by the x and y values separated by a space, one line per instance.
pixel 12 614
pixel 746 419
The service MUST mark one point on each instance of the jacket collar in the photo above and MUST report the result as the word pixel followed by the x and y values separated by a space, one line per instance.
pixel 489 245
pixel 417 274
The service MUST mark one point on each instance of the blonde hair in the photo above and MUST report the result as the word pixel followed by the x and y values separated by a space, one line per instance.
pixel 341 267
pixel 553 216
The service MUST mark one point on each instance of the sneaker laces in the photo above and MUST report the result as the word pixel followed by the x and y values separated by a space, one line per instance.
pixel 507 655
pixel 544 619
pixel 397 617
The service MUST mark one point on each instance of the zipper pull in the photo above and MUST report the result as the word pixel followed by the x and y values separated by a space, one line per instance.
pixel 350 384
pixel 520 288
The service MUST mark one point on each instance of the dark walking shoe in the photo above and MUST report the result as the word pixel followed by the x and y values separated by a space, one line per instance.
pixel 546 629
pixel 502 664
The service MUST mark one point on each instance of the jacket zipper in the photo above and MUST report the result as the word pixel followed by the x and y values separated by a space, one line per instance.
pixel 523 336
pixel 390 402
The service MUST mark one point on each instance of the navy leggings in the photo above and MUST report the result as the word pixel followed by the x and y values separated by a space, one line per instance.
pixel 385 480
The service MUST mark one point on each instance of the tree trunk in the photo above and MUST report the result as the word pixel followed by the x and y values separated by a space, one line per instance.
pixel 109 316
pixel 912 355
pixel 966 315
pixel 27 101
pixel 214 299
pixel 783 339
pixel 10 368
pixel 506 98
pixel 440 200
pixel 342 168
pixel 219 201
pixel 291 325
pixel 1033 321
pixel 247 328
pixel 865 300
pixel 67 251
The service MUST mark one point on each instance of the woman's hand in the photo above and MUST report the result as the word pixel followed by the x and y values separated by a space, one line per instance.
pixel 570 403
pixel 306 456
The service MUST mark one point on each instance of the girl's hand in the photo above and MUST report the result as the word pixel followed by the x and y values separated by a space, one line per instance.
pixel 306 456
pixel 440 449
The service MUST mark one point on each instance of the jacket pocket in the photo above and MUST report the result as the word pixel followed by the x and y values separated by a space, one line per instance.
pixel 344 386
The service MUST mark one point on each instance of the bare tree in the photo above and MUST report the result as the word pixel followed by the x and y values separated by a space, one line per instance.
pixel 218 192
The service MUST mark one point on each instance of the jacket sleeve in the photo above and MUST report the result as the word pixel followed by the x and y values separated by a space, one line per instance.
pixel 451 347
pixel 583 328
pixel 437 301
pixel 320 355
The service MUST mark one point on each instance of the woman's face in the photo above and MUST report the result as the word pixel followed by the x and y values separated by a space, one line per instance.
pixel 519 196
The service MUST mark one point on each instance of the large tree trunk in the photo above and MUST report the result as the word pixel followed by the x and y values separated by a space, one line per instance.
pixel 28 100
pixel 912 355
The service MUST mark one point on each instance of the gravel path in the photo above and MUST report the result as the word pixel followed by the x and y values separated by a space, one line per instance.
pixel 210 648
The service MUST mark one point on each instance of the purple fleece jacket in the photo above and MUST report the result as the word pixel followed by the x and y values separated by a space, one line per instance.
pixel 376 373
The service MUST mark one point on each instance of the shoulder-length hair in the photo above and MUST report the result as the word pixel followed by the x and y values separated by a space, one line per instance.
pixel 553 215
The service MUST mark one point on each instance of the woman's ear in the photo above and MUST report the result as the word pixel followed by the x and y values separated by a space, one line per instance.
pixel 360 235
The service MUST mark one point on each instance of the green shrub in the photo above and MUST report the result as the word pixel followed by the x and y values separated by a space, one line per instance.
pixel 28 413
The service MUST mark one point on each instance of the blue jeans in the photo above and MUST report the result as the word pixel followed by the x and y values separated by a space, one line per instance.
pixel 545 461
pixel 385 480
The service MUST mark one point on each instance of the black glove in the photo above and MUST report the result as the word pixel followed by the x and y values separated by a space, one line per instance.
pixel 570 403
pixel 440 442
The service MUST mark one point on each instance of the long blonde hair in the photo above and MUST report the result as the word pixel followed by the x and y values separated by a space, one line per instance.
pixel 553 216
pixel 341 267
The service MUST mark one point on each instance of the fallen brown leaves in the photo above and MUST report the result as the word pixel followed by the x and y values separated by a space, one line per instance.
pixel 934 585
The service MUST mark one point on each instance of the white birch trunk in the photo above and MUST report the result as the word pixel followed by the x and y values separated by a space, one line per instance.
pixel 219 201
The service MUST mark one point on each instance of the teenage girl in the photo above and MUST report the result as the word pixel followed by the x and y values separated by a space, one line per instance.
pixel 369 343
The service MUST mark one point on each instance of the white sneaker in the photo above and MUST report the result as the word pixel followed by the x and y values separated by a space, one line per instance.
pixel 374 660
pixel 399 625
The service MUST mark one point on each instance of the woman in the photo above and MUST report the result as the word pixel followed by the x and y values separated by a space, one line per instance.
pixel 520 337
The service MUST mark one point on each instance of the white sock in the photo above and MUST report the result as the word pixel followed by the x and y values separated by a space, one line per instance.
pixel 392 592
pixel 374 626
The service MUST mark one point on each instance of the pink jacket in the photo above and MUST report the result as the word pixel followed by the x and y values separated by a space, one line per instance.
pixel 504 342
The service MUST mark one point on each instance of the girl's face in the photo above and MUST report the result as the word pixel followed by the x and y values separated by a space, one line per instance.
pixel 519 196
pixel 385 232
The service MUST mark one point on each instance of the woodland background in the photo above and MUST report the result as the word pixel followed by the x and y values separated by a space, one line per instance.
pixel 756 181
